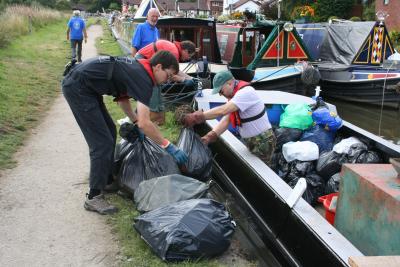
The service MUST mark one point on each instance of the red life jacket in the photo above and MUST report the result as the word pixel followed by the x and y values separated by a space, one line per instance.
pixel 146 65
pixel 234 116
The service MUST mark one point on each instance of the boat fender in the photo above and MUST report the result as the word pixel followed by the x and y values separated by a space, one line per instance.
pixel 297 192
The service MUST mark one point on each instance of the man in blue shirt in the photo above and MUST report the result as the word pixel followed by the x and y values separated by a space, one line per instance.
pixel 146 32
pixel 75 32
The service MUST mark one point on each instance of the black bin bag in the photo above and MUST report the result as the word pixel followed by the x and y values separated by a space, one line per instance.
pixel 199 164
pixel 122 149
pixel 145 161
pixel 164 190
pixel 187 230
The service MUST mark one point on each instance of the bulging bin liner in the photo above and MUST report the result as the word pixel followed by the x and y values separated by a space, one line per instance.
pixel 296 116
pixel 199 164
pixel 330 121
pixel 187 230
pixel 330 163
pixel 320 136
pixel 161 191
pixel 122 149
pixel 298 169
pixel 146 160
pixel 315 187
pixel 284 135
pixel 332 185
pixel 304 151
pixel 344 145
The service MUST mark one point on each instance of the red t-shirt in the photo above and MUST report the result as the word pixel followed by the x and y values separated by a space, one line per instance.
pixel 148 50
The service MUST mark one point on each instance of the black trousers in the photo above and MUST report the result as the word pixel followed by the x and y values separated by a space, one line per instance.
pixel 97 127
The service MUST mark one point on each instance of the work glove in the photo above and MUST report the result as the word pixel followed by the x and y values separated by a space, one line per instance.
pixel 191 119
pixel 131 132
pixel 209 138
pixel 180 156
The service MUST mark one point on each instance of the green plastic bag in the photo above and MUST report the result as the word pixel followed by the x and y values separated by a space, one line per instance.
pixel 298 116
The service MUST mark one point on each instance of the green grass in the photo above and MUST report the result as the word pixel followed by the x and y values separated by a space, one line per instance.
pixel 135 252
pixel 30 73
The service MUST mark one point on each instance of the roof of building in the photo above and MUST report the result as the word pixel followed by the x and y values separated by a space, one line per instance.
pixel 242 2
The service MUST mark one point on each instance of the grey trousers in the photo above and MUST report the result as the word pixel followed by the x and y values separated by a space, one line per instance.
pixel 97 127
pixel 76 47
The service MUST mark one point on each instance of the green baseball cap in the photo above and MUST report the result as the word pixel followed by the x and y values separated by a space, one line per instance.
pixel 220 79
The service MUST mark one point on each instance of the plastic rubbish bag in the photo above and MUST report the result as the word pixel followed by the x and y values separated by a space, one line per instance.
pixel 296 116
pixel 146 160
pixel 315 187
pixel 330 121
pixel 344 145
pixel 164 190
pixel 298 169
pixel 332 185
pixel 369 157
pixel 318 135
pixel 304 151
pixel 199 164
pixel 284 135
pixel 122 149
pixel 187 230
pixel 329 163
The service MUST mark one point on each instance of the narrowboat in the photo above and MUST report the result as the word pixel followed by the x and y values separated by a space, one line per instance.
pixel 293 235
pixel 254 52
pixel 352 58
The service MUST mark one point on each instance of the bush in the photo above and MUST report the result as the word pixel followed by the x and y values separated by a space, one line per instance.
pixel 355 19
pixel 395 37
pixel 369 12
pixel 327 8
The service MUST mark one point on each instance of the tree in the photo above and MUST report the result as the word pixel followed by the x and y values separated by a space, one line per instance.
pixel 327 8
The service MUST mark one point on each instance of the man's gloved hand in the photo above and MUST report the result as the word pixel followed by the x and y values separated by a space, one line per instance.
pixel 180 156
pixel 209 138
pixel 194 118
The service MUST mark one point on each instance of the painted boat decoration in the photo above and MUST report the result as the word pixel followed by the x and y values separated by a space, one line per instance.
pixel 351 59
pixel 297 236
pixel 266 48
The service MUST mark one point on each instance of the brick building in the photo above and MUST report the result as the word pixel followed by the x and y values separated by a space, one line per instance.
pixel 391 7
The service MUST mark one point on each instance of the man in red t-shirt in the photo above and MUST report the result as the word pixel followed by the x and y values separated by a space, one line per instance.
pixel 182 51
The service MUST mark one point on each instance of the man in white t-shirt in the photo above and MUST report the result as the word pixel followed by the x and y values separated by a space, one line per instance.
pixel 244 110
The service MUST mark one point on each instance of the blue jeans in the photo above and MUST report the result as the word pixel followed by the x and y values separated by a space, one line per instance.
pixel 74 45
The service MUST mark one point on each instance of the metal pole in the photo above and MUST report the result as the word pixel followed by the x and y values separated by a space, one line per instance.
pixel 278 40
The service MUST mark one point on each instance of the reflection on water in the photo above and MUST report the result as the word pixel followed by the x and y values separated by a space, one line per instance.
pixel 367 117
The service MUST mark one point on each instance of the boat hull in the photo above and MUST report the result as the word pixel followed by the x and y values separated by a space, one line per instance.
pixel 357 86
pixel 296 237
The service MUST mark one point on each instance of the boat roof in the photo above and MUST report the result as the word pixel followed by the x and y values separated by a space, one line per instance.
pixel 348 42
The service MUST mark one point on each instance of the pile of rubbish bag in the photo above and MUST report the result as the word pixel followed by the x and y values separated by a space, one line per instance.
pixel 179 221
pixel 308 146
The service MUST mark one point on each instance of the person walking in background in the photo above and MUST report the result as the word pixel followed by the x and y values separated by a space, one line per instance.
pixel 122 77
pixel 75 33
pixel 146 32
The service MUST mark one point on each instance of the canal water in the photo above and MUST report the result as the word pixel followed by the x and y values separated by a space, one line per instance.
pixel 369 118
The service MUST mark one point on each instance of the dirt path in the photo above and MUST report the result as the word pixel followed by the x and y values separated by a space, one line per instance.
pixel 42 219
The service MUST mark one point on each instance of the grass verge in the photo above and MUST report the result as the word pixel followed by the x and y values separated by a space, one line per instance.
pixel 30 73
pixel 135 251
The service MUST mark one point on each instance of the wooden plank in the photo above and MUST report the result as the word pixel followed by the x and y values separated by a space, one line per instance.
pixel 374 261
